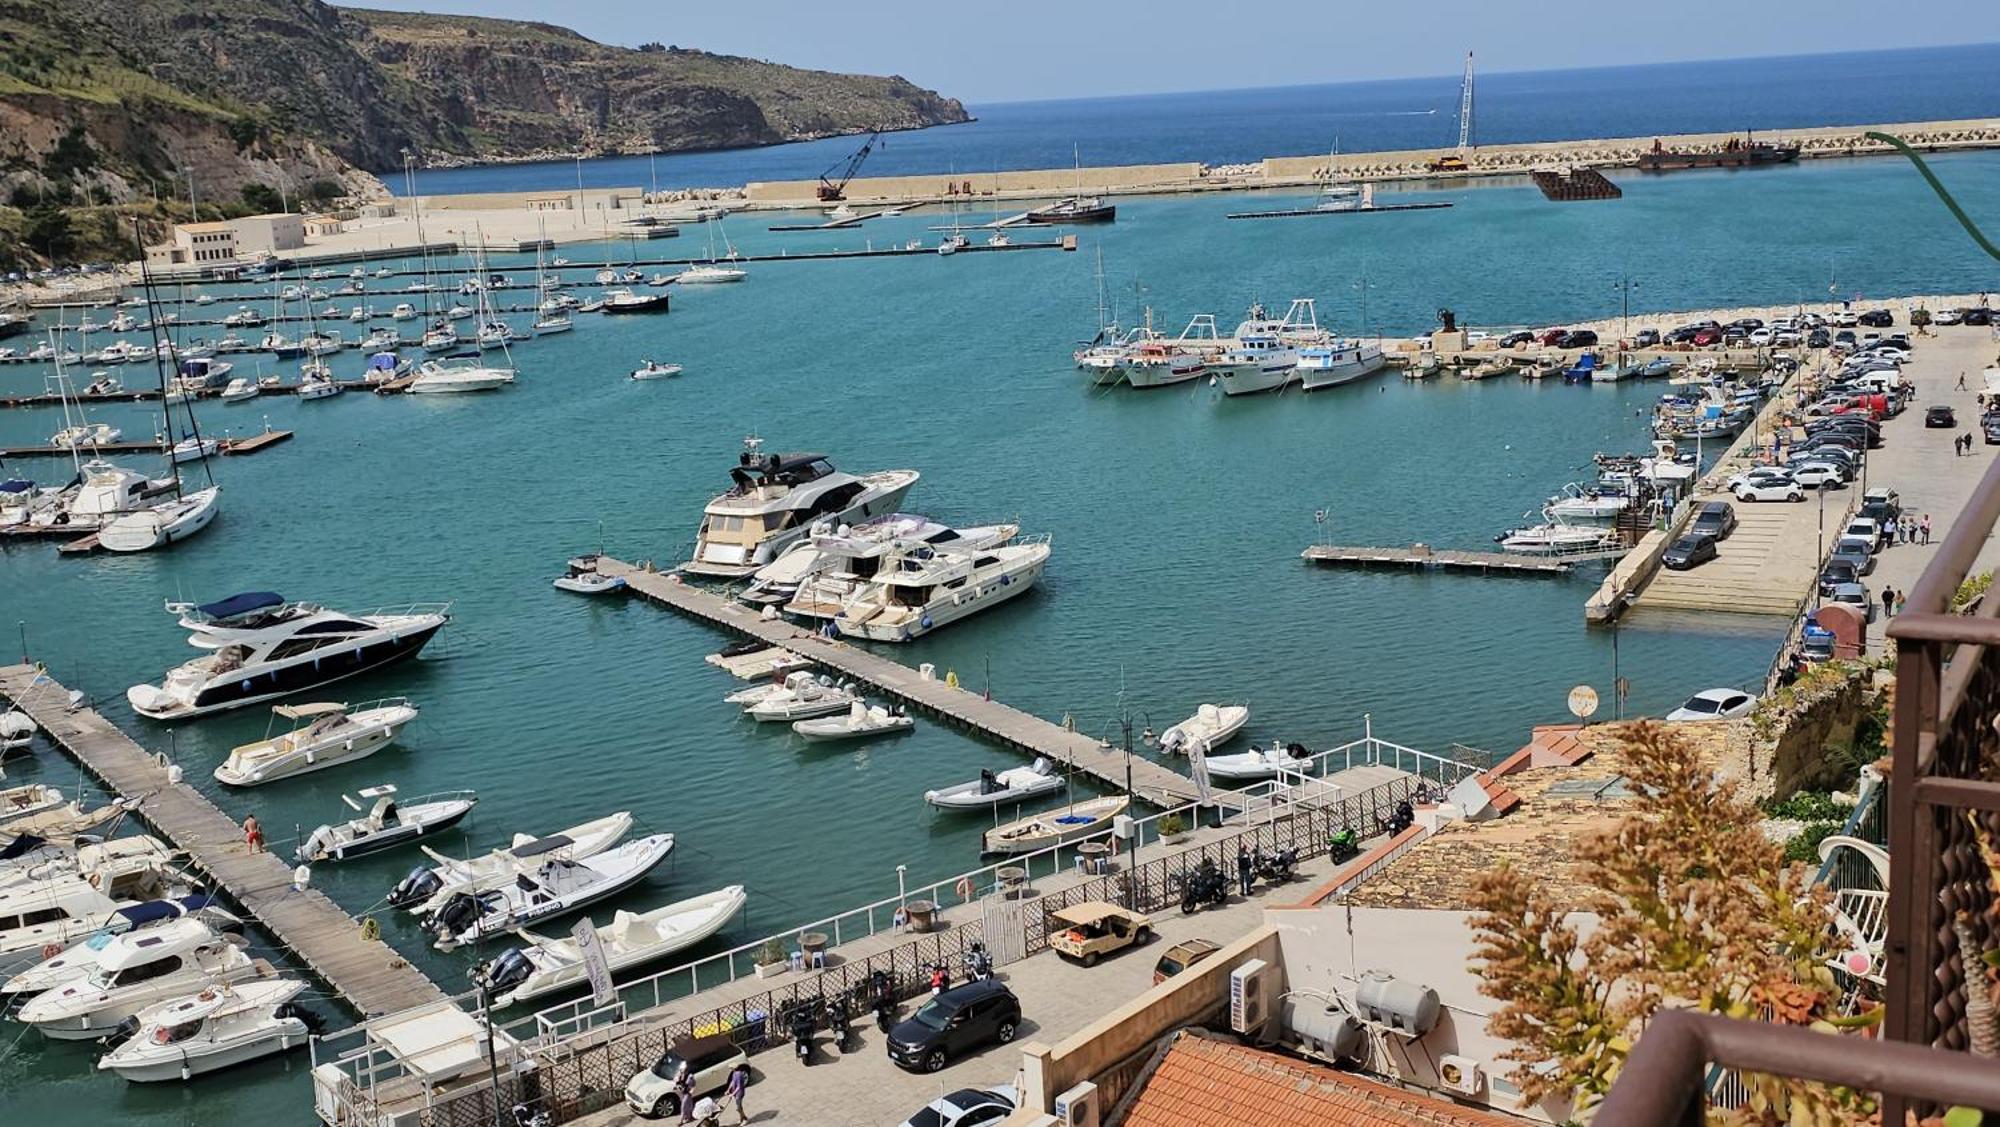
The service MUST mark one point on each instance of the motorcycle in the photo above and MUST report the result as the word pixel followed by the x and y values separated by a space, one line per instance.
pixel 978 964
pixel 940 979
pixel 837 1024
pixel 1399 821
pixel 1204 886
pixel 885 1000
pixel 532 1115
pixel 1343 845
pixel 802 1036
pixel 1275 866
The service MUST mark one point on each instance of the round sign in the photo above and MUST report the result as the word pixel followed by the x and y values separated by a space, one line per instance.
pixel 1583 701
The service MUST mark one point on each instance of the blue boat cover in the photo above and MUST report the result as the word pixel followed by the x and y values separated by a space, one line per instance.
pixel 16 485
pixel 384 361
pixel 151 910
pixel 21 846
pixel 242 604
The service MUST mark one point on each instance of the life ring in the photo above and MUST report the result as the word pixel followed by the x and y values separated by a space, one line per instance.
pixel 963 888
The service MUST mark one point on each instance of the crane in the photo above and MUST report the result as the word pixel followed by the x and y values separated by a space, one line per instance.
pixel 835 190
pixel 1454 161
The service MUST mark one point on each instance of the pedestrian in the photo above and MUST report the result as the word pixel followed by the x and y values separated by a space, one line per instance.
pixel 1888 602
pixel 253 834
pixel 739 1079
pixel 1961 381
pixel 1902 599
pixel 1243 876
pixel 1927 528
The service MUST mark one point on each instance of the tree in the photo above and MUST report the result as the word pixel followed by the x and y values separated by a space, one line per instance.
pixel 70 156
pixel 1695 908
pixel 323 191
pixel 262 198
pixel 245 131
pixel 49 232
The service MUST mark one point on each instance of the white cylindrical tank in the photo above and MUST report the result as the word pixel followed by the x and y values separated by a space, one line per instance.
pixel 1325 1029
pixel 1408 1008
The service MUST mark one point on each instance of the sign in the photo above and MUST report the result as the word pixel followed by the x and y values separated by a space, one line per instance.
pixel 602 991
pixel 1582 702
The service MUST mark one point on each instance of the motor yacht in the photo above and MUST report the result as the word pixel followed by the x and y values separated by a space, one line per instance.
pixel 106 492
pixel 544 965
pixel 262 647
pixel 815 576
pixel 404 311
pixel 61 909
pixel 103 383
pixel 557 886
pixel 324 734
pixel 919 588
pixel 625 301
pixel 80 959
pixel 775 499
pixel 137 970
pixel 458 374
pixel 1343 361
pixel 386 823
pixel 239 389
pixel 218 1027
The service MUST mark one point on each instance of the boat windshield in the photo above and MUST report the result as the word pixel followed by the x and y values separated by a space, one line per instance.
pixel 174 1034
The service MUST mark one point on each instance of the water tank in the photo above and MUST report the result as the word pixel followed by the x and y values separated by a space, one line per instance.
pixel 1325 1029
pixel 1403 1007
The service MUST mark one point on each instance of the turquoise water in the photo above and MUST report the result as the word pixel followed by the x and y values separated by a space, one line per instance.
pixel 1177 520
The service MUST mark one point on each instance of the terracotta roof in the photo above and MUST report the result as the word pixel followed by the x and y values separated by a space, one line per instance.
pixel 1204 1082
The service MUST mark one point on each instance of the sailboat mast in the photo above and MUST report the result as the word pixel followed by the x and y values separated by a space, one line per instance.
pixel 153 319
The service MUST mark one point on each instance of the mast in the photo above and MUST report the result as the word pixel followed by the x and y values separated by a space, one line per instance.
pixel 154 319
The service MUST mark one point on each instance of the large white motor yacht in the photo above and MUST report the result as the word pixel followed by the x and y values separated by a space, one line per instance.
pixel 454 374
pixel 262 647
pixel 918 588
pixel 1343 361
pixel 814 576
pixel 778 498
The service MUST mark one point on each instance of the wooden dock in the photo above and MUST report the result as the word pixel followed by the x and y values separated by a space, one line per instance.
pixel 1420 558
pixel 1298 211
pixel 962 707
pixel 368 973
pixel 248 445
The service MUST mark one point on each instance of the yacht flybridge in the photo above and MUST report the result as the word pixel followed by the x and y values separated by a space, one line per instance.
pixel 777 498
pixel 918 588
pixel 262 647
pixel 814 576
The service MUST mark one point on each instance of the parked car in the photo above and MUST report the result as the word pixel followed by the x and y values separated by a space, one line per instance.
pixel 1819 338
pixel 1768 488
pixel 1854 594
pixel 955 1022
pixel 1181 956
pixel 1816 644
pixel 650 1093
pixel 1513 339
pixel 1990 427
pixel 1579 338
pixel 1855 550
pixel 1845 336
pixel 1646 338
pixel 1876 319
pixel 1940 415
pixel 1715 704
pixel 1977 316
pixel 1865 528
pixel 1819 475
pixel 1835 573
pixel 1706 337
pixel 1945 317
pixel 1096 928
pixel 1690 551
pixel 1715 519
pixel 1550 337
pixel 1762 338
pixel 967 1107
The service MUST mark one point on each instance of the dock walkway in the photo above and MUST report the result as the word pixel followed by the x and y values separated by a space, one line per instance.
pixel 1010 727
pixel 368 973
pixel 1421 558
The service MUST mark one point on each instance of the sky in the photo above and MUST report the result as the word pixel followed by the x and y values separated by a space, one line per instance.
pixel 1032 50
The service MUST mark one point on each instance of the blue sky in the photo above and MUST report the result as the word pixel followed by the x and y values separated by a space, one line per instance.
pixel 1026 51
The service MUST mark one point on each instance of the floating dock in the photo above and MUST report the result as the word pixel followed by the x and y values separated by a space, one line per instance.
pixel 368 973
pixel 1010 727
pixel 248 445
pixel 1297 211
pixel 1420 558
pixel 1566 184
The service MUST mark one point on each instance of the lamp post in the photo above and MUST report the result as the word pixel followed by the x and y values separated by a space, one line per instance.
pixel 1625 285
pixel 902 883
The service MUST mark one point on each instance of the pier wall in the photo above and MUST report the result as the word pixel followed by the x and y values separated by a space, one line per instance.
pixel 1026 182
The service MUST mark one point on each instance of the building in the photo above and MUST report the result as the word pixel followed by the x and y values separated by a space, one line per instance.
pixel 201 243
pixel 260 236
pixel 321 226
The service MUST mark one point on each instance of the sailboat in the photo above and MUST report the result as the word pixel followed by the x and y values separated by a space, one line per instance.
pixel 1078 208
pixel 1103 356
pixel 712 273
pixel 554 316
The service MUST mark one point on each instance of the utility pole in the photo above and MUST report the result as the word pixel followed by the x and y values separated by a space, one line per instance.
pixel 1625 286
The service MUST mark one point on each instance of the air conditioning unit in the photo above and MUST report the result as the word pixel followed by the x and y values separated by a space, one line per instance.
pixel 1248 996
pixel 1460 1074
pixel 1078 1106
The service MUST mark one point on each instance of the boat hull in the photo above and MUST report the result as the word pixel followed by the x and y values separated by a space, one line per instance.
pixel 1163 375
pixel 1343 369
pixel 298 677
pixel 1252 379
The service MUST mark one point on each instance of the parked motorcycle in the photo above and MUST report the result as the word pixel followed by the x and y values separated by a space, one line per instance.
pixel 838 1024
pixel 1275 866
pixel 1399 821
pixel 802 1036
pixel 978 964
pixel 1203 887
pixel 1343 845
pixel 885 1001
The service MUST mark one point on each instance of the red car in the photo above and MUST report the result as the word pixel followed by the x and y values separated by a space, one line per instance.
pixel 1708 337
pixel 1549 337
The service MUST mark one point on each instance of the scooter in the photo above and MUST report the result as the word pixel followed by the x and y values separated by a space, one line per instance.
pixel 1275 866
pixel 802 1036
pixel 978 964
pixel 940 979
pixel 885 1001
pixel 1400 820
pixel 837 1023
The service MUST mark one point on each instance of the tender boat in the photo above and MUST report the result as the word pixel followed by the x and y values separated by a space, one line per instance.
pixel 1259 763
pixel 545 965
pixel 776 498
pixel 164 524
pixel 860 722
pixel 79 960
pixel 387 823
pixel 1212 725
pixel 652 371
pixel 426 888
pixel 214 1029
pixel 262 647
pixel 1054 827
pixel 240 389
pixel 816 576
pixel 324 735
pixel 990 789
pixel 557 886
pixel 137 970
pixel 456 374
pixel 583 578
pixel 802 697
pixel 29 799
pixel 919 588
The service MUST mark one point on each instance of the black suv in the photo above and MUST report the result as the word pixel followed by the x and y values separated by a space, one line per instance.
pixel 950 1024
pixel 1876 319
pixel 1577 338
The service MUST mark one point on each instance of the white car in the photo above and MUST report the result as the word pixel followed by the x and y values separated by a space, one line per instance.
pixel 1845 319
pixel 1768 489
pixel 1946 317
pixel 1757 472
pixel 1865 528
pixel 1715 704
pixel 967 1107
pixel 650 1093
pixel 1761 337
pixel 1819 475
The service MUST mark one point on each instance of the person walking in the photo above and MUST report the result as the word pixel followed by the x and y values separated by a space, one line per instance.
pixel 1927 528
pixel 1243 877
pixel 1902 600
pixel 739 1079
pixel 253 834
pixel 1888 602
pixel 1961 381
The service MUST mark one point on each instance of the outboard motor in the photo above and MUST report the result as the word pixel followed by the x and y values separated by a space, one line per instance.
pixel 988 781
pixel 503 972
pixel 458 913
pixel 308 1018
pixel 317 842
pixel 127 1029
pixel 414 889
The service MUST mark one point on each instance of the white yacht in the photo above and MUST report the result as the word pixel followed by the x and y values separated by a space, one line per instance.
pixel 776 498
pixel 457 374
pixel 404 311
pixel 261 647
pixel 1343 361
pixel 323 735
pixel 711 275
pixel 240 389
pixel 105 493
pixel 81 959
pixel 814 576
pixel 558 886
pixel 1555 538
pixel 136 970
pixel 166 523
pixel 36 916
pixel 1597 502
pixel 920 588
pixel 214 1029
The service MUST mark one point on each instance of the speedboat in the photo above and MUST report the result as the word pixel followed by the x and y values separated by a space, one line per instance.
pixel 28 799
pixel 1340 362
pixel 711 275
pixel 544 965
pixel 385 824
pixel 323 735
pixel 404 311
pixel 583 578
pixel 1054 827
pixel 1557 539
pixel 79 960
pixel 1657 368
pixel 774 499
pixel 136 970
pixel 557 886
pixel 652 371
pixel 193 449
pixel 919 588
pixel 167 523
pixel 625 301
pixel 262 647
pixel 744 698
pixel 1212 725
pixel 318 387
pixel 460 373
pixel 815 577
pixel 214 1029
pixel 1259 763
pixel 803 697
pixel 860 722
pixel 990 789
pixel 1597 502
pixel 89 434
pixel 104 384
pixel 425 888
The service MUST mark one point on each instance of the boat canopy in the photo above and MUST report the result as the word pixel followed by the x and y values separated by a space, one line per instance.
pixel 149 911
pixel 308 711
pixel 16 485
pixel 236 605
pixel 384 362
pixel 21 846
pixel 542 845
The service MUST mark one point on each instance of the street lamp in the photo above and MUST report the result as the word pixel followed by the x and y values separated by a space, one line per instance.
pixel 902 886
pixel 1625 285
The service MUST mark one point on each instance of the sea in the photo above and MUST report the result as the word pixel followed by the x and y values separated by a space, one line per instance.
pixel 1177 516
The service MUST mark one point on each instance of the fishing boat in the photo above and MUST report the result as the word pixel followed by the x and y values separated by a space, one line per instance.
pixel 557 886
pixel 1265 353
pixel 1259 763
pixel 136 970
pixel 1345 361
pixel 802 698
pixel 544 965
pixel 323 735
pixel 425 888
pixel 1054 827
pixel 1211 726
pixel 386 823
pixel 775 499
pixel 861 722
pixel 990 789
pixel 652 371
pixel 211 1030
pixel 919 588
pixel 1161 363
pixel 583 578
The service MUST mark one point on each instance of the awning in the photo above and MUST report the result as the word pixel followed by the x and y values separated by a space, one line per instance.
pixel 307 711
pixel 242 604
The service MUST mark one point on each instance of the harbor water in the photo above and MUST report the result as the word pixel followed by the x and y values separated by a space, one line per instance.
pixel 1177 516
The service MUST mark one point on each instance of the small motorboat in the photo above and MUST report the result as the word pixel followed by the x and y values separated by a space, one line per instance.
pixel 860 722
pixel 385 824
pixel 802 697
pixel 29 799
pixel 651 371
pixel 318 387
pixel 1212 724
pixel 104 384
pixel 1657 368
pixel 326 734
pixel 17 730
pixel 1597 502
pixel 240 389
pixel 214 1029
pixel 426 888
pixel 193 449
pixel 90 434
pixel 1054 827
pixel 1259 763
pixel 557 886
pixel 545 965
pixel 583 578
pixel 989 789
pixel 744 698
pixel 1497 366
pixel 136 970
pixel 751 661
